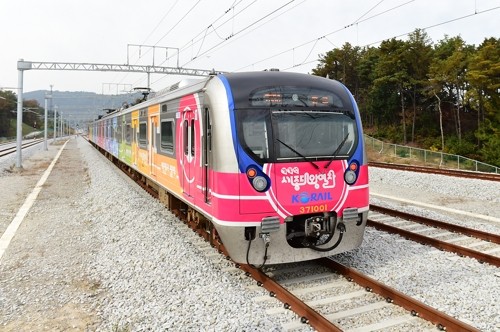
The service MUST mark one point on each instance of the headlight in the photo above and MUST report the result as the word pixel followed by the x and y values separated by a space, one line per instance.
pixel 350 177
pixel 259 183
pixel 351 173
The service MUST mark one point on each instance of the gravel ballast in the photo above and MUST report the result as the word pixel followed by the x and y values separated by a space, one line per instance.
pixel 97 253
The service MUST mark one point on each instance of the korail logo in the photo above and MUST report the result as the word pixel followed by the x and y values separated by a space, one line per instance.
pixel 294 177
pixel 305 197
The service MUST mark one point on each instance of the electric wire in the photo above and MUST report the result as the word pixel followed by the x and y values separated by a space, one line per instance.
pixel 243 29
pixel 166 34
pixel 315 41
pixel 439 24
pixel 205 31
pixel 369 11
pixel 179 21
pixel 215 29
pixel 149 35
pixel 407 33
pixel 240 31
pixel 159 23
pixel 328 34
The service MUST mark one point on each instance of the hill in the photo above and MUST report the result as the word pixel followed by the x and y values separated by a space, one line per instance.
pixel 81 106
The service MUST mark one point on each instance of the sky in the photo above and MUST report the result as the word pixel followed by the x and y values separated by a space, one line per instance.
pixel 225 35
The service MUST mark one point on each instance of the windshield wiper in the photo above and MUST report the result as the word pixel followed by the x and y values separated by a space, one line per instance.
pixel 298 153
pixel 345 112
pixel 334 154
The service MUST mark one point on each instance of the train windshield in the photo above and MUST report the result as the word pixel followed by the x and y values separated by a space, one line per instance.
pixel 288 123
pixel 284 135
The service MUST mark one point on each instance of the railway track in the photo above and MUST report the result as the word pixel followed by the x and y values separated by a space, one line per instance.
pixel 337 307
pixel 324 295
pixel 463 241
pixel 6 149
pixel 442 171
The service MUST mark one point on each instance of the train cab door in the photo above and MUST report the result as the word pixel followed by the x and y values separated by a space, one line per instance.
pixel 207 157
pixel 153 144
pixel 188 151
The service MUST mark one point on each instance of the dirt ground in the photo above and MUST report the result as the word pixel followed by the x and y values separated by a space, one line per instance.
pixel 43 283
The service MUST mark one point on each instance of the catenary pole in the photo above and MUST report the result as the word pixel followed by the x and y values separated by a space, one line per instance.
pixel 55 122
pixel 45 125
pixel 19 140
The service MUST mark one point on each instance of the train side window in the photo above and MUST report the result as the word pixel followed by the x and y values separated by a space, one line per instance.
pixel 186 136
pixel 193 147
pixel 114 130
pixel 119 130
pixel 167 136
pixel 128 133
pixel 143 141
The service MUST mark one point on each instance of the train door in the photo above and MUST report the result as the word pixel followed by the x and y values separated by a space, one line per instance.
pixel 207 156
pixel 188 146
pixel 187 151
pixel 153 144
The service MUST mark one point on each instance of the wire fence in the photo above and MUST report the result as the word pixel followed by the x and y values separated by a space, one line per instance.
pixel 410 155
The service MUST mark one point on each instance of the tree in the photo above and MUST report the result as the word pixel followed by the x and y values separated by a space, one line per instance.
pixel 484 77
pixel 341 65
pixel 392 74
pixel 435 89
pixel 366 72
pixel 418 58
pixel 450 67
pixel 32 113
pixel 7 104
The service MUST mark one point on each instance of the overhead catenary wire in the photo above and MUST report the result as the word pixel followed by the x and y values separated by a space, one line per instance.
pixel 206 30
pixel 314 44
pixel 160 22
pixel 152 31
pixel 440 23
pixel 244 29
pixel 179 21
pixel 170 30
pixel 329 34
pixel 407 33
pixel 239 32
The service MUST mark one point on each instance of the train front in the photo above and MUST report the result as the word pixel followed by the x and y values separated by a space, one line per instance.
pixel 303 181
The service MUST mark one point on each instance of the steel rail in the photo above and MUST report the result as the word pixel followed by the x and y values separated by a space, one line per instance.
pixel 5 152
pixel 308 315
pixel 462 251
pixel 490 237
pixel 417 308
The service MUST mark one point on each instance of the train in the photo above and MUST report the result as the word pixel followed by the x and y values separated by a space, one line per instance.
pixel 271 163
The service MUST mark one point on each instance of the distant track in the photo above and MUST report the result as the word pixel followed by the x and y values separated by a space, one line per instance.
pixel 11 149
pixel 403 224
pixel 442 171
